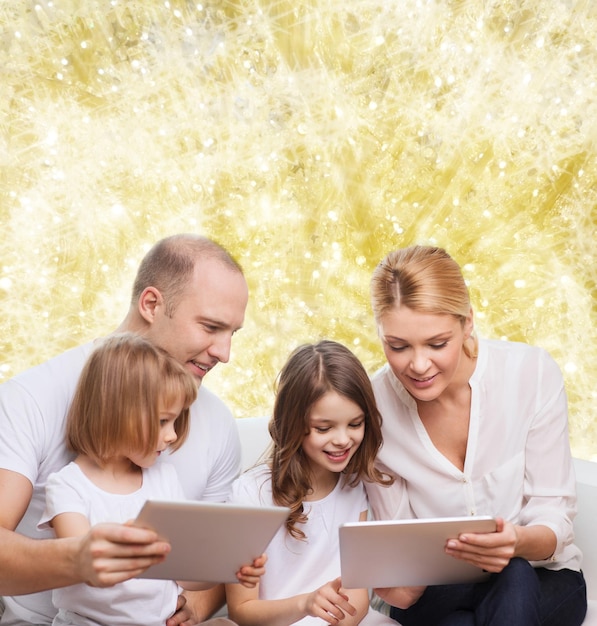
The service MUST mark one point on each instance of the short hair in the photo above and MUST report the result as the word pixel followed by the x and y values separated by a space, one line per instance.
pixel 170 263
pixel 311 371
pixel 116 406
pixel 425 279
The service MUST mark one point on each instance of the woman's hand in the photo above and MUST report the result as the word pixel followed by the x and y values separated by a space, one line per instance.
pixel 488 551
pixel 493 551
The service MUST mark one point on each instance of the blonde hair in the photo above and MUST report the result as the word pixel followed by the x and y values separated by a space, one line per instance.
pixel 116 405
pixel 425 279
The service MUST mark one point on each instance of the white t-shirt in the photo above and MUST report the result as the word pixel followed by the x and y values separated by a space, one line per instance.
pixel 297 566
pixel 33 407
pixel 518 463
pixel 133 602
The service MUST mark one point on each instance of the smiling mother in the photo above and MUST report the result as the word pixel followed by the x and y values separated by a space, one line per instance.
pixel 473 427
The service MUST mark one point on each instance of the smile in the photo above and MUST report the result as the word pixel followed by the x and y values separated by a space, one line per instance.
pixel 205 368
pixel 338 457
pixel 422 382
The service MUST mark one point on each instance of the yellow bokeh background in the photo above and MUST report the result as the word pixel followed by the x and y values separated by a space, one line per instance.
pixel 309 137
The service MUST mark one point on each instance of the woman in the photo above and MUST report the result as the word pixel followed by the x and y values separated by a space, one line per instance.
pixel 473 427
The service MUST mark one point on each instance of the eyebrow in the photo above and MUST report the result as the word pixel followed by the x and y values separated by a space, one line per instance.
pixel 445 335
pixel 328 421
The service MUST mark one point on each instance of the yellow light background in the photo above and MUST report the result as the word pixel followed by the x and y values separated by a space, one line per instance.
pixel 310 137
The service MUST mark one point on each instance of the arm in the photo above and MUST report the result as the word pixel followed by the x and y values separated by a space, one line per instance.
pixel 105 555
pixel 329 602
pixel 543 526
pixel 401 597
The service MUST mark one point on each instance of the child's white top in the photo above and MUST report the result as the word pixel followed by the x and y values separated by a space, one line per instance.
pixel 136 601
pixel 297 566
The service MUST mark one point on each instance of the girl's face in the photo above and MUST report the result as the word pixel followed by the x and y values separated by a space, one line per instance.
pixel 167 435
pixel 336 429
pixel 424 350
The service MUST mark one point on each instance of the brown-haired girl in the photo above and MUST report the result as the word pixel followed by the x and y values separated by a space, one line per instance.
pixel 326 432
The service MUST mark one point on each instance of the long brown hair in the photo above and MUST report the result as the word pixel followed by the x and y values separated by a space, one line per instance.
pixel 311 371
pixel 425 279
pixel 116 405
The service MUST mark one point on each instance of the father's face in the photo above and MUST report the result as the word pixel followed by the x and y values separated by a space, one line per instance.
pixel 211 310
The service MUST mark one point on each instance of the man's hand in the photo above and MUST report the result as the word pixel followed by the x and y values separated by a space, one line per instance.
pixel 195 607
pixel 112 553
pixel 183 615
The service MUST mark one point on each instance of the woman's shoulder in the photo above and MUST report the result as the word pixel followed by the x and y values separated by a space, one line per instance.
pixel 514 358
pixel 513 350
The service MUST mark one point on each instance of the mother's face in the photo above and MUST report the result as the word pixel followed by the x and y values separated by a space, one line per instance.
pixel 424 350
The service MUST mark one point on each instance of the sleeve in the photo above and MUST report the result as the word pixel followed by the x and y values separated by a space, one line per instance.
pixel 226 462
pixel 252 488
pixel 61 497
pixel 389 502
pixel 550 484
pixel 20 435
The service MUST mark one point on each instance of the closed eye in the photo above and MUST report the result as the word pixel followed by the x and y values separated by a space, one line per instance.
pixel 397 348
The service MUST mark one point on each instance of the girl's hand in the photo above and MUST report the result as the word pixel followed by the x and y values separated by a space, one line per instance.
pixel 400 597
pixel 249 575
pixel 488 551
pixel 329 603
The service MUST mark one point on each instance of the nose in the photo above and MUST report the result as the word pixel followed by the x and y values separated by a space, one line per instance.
pixel 419 362
pixel 341 437
pixel 220 347
pixel 170 435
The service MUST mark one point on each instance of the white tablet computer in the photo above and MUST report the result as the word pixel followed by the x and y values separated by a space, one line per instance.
pixel 210 541
pixel 407 552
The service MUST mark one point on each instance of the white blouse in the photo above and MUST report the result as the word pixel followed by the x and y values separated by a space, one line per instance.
pixel 518 463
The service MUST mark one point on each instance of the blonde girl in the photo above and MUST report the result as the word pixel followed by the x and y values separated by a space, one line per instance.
pixel 131 404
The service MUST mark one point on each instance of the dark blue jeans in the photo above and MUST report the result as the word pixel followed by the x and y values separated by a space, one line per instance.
pixel 518 596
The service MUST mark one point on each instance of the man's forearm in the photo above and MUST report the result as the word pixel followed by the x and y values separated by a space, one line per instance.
pixel 30 565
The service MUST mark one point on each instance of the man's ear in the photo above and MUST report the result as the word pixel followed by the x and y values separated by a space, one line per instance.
pixel 149 301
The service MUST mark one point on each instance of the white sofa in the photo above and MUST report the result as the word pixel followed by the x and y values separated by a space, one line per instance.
pixel 255 439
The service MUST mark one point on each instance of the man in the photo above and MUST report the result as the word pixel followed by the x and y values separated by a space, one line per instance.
pixel 189 297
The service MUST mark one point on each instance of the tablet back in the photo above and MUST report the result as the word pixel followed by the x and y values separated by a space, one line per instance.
pixel 210 541
pixel 406 552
